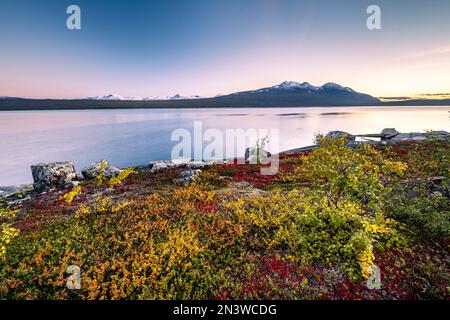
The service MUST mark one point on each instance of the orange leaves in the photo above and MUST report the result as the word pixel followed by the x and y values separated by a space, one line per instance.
pixel 154 239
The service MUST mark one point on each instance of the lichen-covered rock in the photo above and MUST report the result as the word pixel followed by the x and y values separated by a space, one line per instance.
pixel 186 177
pixel 180 162
pixel 412 136
pixel 52 175
pixel 338 134
pixel 197 164
pixel 389 133
pixel 11 191
pixel 161 165
pixel 79 176
pixel 439 184
pixel 94 169
pixel 438 135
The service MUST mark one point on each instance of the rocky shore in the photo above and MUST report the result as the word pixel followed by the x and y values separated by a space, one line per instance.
pixel 314 230
pixel 63 175
pixel 388 136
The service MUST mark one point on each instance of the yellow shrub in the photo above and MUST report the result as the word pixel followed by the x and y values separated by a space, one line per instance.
pixel 70 196
pixel 6 235
pixel 121 177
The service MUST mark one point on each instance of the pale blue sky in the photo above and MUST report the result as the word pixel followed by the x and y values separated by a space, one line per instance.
pixel 207 47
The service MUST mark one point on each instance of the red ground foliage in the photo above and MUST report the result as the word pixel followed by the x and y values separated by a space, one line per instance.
pixel 251 173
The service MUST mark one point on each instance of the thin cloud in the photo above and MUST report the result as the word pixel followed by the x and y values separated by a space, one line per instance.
pixel 436 94
pixel 395 98
pixel 430 52
pixel 427 96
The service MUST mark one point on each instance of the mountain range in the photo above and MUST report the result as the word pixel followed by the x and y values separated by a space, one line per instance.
pixel 285 94
pixel 116 97
pixel 301 94
pixel 296 92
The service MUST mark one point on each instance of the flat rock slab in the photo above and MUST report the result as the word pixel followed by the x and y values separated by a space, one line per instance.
pixel 180 161
pixel 197 165
pixel 241 189
pixel 162 165
pixel 10 191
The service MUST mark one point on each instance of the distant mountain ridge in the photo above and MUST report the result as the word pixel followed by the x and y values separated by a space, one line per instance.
pixel 293 85
pixel 303 94
pixel 116 97
pixel 285 94
pixel 277 92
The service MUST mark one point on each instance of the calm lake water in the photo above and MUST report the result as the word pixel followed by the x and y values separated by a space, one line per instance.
pixel 128 137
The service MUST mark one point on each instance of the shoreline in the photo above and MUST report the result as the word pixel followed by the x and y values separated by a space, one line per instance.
pixel 447 105
pixel 61 105
pixel 389 136
pixel 217 215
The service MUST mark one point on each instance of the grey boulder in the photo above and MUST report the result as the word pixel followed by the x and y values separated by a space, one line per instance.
pixel 186 177
pixel 197 164
pixel 389 133
pixel 338 134
pixel 11 191
pixel 412 136
pixel 180 162
pixel 52 175
pixel 94 169
pixel 161 165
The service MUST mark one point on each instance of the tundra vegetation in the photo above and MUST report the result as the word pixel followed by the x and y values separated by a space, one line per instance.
pixel 310 232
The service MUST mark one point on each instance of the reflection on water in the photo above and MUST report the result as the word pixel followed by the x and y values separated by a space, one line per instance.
pixel 336 113
pixel 127 137
pixel 291 114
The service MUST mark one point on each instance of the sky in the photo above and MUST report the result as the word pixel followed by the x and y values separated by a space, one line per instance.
pixel 210 47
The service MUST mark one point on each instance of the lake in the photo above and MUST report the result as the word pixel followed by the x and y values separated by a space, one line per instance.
pixel 134 137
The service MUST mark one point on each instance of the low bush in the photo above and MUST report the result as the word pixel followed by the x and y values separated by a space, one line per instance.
pixel 312 234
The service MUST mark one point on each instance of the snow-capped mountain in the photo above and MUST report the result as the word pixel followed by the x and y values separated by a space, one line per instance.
pixel 284 94
pixel 334 86
pixel 107 97
pixel 304 91
pixel 300 94
pixel 287 93
pixel 180 97
pixel 116 97
pixel 6 97
pixel 286 85
pixel 294 85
